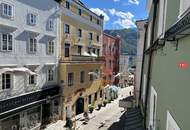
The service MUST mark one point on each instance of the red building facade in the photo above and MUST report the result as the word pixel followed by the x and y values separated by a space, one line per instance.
pixel 111 52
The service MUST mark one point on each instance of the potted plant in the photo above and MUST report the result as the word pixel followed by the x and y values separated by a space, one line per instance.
pixel 91 108
pixel 99 106
pixel 105 102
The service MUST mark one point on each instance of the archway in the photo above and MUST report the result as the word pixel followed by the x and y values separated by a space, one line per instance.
pixel 80 106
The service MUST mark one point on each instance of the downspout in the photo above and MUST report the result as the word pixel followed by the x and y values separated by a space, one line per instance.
pixel 142 67
pixel 155 3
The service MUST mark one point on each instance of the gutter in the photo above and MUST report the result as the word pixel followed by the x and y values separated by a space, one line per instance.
pixel 155 3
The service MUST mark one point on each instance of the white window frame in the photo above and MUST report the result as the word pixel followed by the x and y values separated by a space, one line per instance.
pixel 50 48
pixel 50 75
pixel 7 42
pixel 172 122
pixel 29 80
pixel 66 30
pixel 152 122
pixel 71 81
pixel 32 18
pixel 32 48
pixel 11 11
pixel 51 24
pixel 1 82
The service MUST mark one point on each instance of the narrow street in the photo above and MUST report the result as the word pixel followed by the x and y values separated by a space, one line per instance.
pixel 107 118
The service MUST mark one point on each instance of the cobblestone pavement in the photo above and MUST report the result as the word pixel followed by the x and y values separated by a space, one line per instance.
pixel 107 118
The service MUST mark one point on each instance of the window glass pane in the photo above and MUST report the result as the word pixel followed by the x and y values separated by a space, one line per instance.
pixel 10 41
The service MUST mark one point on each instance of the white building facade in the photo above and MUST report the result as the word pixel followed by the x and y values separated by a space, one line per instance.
pixel 29 94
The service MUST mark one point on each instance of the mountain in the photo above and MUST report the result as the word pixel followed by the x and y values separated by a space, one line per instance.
pixel 128 39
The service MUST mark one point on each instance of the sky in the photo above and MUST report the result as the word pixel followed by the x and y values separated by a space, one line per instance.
pixel 118 14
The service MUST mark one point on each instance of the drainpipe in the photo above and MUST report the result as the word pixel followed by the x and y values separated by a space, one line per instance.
pixel 142 67
pixel 155 3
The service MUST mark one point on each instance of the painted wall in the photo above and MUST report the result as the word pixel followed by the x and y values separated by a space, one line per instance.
pixel 171 83
pixel 21 31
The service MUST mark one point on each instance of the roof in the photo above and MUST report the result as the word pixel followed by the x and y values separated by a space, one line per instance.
pixel 111 36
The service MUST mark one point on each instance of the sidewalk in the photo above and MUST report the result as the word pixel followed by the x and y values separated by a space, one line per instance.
pixel 59 125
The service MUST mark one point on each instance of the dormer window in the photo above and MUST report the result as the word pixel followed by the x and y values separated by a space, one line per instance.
pixel 50 24
pixel 7 10
pixel 32 19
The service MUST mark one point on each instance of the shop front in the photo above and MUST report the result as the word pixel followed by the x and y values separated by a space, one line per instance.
pixel 29 111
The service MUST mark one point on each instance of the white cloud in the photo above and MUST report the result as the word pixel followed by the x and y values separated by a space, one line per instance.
pixel 124 15
pixel 125 23
pixel 99 12
pixel 124 19
pixel 134 2
pixel 116 0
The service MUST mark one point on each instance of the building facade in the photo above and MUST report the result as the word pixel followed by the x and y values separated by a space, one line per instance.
pixel 111 52
pixel 80 58
pixel 139 59
pixel 29 95
pixel 164 90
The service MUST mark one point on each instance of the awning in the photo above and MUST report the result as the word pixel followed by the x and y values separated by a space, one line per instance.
pixel 93 73
pixel 94 55
pixel 21 69
pixel 86 54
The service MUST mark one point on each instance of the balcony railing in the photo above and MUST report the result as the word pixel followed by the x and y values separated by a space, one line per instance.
pixel 82 58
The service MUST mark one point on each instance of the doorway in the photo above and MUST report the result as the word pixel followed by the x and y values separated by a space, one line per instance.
pixel 79 106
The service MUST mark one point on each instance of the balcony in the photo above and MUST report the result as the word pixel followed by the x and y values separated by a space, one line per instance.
pixel 82 58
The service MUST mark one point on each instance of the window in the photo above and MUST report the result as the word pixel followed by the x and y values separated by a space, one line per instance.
pixel 110 77
pixel 50 24
pixel 90 17
pixel 50 47
pixel 31 80
pixel 95 96
pixel 98 38
pixel 98 21
pixel 98 52
pixel 67 50
pixel 89 50
pixel 70 79
pixel 79 50
pixel 50 75
pixel 110 64
pixel 7 10
pixel 6 81
pixel 171 123
pixel 82 76
pixel 90 36
pixel 32 45
pixel 91 76
pixel 67 29
pixel 79 11
pixel 89 99
pixel 7 42
pixel 94 50
pixel 32 19
pixel 79 33
pixel 67 5
pixel 101 93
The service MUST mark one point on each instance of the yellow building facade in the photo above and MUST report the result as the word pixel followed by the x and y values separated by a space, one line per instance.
pixel 80 58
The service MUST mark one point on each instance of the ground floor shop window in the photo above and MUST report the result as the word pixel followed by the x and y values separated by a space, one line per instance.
pixel 55 111
pixel 33 117
pixel 11 123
